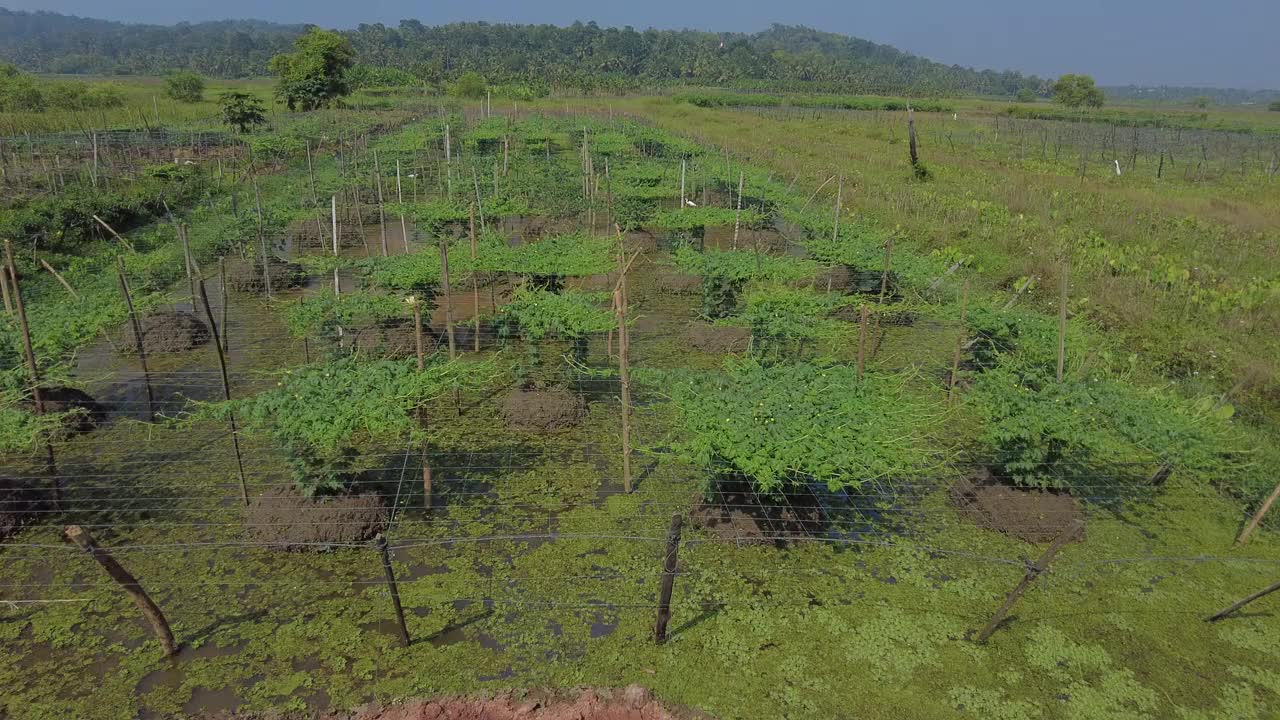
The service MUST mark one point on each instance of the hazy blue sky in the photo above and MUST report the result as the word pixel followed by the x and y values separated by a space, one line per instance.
pixel 1227 43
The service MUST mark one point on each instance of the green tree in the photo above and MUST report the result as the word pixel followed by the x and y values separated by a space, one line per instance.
pixel 1026 95
pixel 469 85
pixel 1274 106
pixel 185 86
pixel 315 73
pixel 242 111
pixel 1200 101
pixel 1078 91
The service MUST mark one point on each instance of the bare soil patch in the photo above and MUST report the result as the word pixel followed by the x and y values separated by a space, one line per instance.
pixel 165 332
pixel 20 503
pixel 678 283
pixel 1036 516
pixel 717 339
pixel 737 513
pixel 395 340
pixel 59 399
pixel 284 518
pixel 543 411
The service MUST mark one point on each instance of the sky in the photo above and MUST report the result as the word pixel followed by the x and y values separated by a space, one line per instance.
pixel 1226 43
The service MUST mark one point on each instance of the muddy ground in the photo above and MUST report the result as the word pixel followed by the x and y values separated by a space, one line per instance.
pixel 543 411
pixel 717 339
pixel 165 332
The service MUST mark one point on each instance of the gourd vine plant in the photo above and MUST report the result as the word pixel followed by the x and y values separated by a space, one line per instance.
pixel 1044 433
pixel 537 314
pixel 784 425
pixel 778 314
pixel 551 259
pixel 321 315
pixel 324 414
pixel 689 225
pixel 725 272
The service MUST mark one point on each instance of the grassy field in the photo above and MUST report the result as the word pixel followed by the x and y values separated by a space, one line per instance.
pixel 534 567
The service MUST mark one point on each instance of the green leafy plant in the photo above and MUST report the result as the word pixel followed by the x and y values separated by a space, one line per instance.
pixel 242 111
pixel 321 315
pixel 186 86
pixel 795 423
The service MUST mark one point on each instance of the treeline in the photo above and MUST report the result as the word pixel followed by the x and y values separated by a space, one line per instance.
pixel 583 56
pixel 834 102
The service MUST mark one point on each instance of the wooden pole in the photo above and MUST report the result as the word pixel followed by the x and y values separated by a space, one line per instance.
pixel 1062 322
pixel 262 242
pixel 129 584
pixel 624 367
pixel 226 299
pixel 311 174
pixel 417 332
pixel 226 390
pixel 862 341
pixel 333 213
pixel 448 296
pixel 1257 517
pixel 4 290
pixel 835 233
pixel 683 166
pixel 1033 571
pixel 404 228
pixel 1242 602
pixel 382 216
pixel 381 543
pixel 137 336
pixel 114 234
pixel 475 282
pixel 911 139
pixel 884 274
pixel 669 565
pixel 61 280
pixel 737 219
pixel 955 359
pixel 28 352
pixel 186 255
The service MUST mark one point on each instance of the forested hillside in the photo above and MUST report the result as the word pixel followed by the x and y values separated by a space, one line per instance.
pixel 581 55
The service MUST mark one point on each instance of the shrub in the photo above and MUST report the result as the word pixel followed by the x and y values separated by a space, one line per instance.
pixel 186 87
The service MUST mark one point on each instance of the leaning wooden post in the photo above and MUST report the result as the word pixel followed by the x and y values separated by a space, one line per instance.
pixel 129 584
pixel 475 282
pixel 226 389
pixel 262 241
pixel 669 566
pixel 381 543
pixel 1062 322
pixel 624 367
pixel 1257 517
pixel 4 291
pixel 1033 571
pixel 1242 602
pixel 835 233
pixel 137 336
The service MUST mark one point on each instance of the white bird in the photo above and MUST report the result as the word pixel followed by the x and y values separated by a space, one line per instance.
pixel 1117 168
pixel 690 203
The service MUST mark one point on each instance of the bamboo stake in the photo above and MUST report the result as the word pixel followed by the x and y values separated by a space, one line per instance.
pixel 128 583
pixel 61 280
pixel 862 342
pixel 382 217
pixel 37 394
pixel 835 233
pixel 1257 517
pixel 226 389
pixel 4 290
pixel 624 367
pixel 737 219
pixel 334 214
pixel 226 299
pixel 404 229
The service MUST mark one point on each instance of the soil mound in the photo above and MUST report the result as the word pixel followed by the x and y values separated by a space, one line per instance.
pixel 59 399
pixel 717 338
pixel 1036 516
pixel 247 277
pixel 736 513
pixel 679 283
pixel 543 411
pixel 19 505
pixel 395 340
pixel 836 279
pixel 165 332
pixel 284 518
